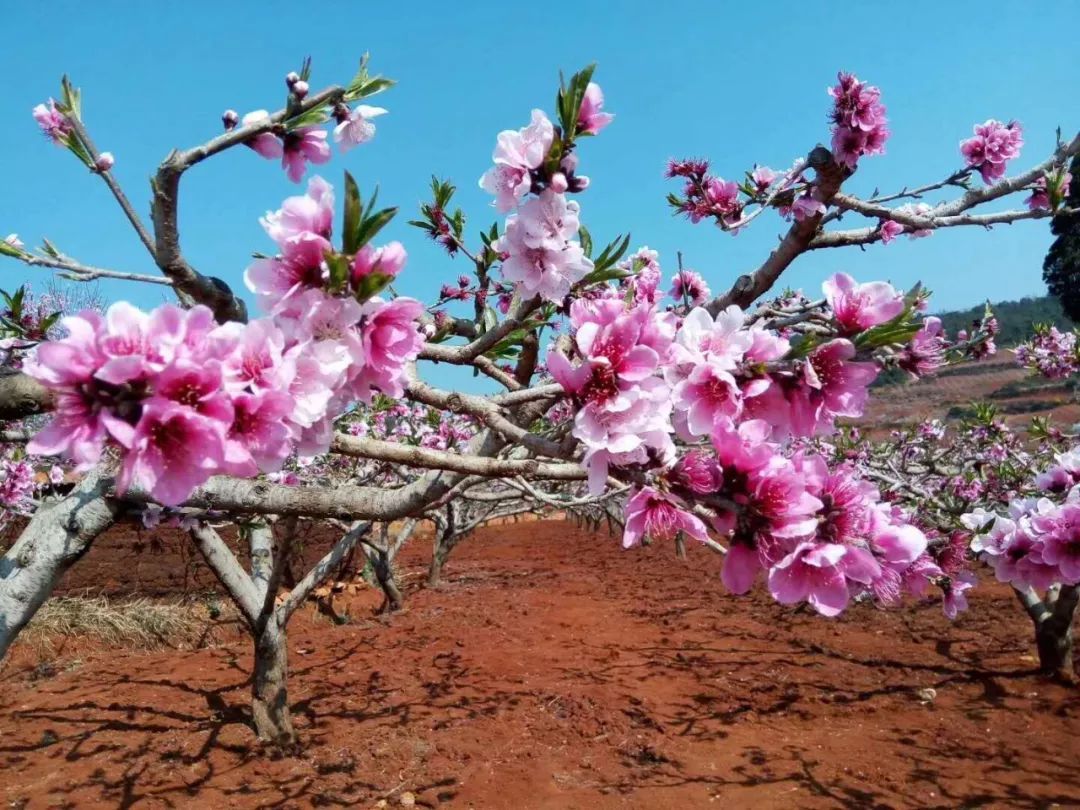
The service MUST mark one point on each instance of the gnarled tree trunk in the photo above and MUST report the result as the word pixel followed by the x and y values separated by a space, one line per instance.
pixel 269 688
pixel 1053 619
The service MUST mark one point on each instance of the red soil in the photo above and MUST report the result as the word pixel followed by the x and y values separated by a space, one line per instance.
pixel 555 671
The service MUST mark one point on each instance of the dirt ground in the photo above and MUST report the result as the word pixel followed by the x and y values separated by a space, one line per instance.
pixel 554 670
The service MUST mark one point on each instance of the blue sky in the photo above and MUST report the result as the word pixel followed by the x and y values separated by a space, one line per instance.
pixel 738 83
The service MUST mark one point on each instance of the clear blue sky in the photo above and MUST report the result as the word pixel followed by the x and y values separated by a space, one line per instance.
pixel 738 83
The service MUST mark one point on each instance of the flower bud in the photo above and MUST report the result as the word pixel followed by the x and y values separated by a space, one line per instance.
pixel 429 330
pixel 300 89
pixel 558 183
pixel 292 78
pixel 104 162
pixel 230 118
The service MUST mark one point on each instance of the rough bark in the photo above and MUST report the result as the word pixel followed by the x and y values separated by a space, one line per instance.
pixel 1053 618
pixel 56 537
pixel 269 688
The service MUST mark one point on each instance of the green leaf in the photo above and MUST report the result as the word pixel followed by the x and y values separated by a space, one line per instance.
pixel 490 320
pixel 586 241
pixel 353 213
pixel 371 284
pixel 311 118
pixel 611 254
pixel 372 225
pixel 339 271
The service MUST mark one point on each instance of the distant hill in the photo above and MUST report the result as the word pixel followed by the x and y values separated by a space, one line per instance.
pixel 1015 318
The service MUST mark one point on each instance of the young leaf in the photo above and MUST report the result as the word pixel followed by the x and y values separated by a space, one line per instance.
pixel 353 211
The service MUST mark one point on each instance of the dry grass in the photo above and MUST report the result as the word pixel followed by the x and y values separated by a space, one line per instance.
pixel 134 624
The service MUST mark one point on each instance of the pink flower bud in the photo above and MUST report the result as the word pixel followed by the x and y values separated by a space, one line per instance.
pixel 300 89
pixel 292 78
pixel 387 261
pixel 558 183
pixel 105 162
pixel 230 118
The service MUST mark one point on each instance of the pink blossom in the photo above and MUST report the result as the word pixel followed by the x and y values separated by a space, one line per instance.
pixel 993 145
pixel 806 206
pixel 516 154
pixel 926 351
pixel 763 177
pixel 857 307
pixel 651 514
pixel 302 266
pixel 257 438
pixel 256 357
pixel 590 119
pixel 265 144
pixel 198 386
pixel 301 146
pixel 817 573
pixel 708 393
pixel 357 128
pixel 310 213
pixel 173 451
pixel 858 119
pixel 690 286
pixel 841 383
pixel 388 260
pixel 644 267
pixel 391 339
pixel 54 124
pixel 105 162
pixel 540 258
pixel 889 230
pixel 955 598
pixel 1060 532
pixel 698 472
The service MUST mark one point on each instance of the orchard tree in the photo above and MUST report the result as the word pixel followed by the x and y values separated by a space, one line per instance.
pixel 701 417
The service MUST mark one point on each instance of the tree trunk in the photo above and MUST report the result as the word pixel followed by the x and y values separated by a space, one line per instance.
pixel 438 557
pixel 384 575
pixel 269 691
pixel 1053 619
pixel 1054 634
pixel 54 539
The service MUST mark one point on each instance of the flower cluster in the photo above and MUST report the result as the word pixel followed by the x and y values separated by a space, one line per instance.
pixel 1036 543
pixel 705 195
pixel 184 398
pixel 710 411
pixel 540 253
pixel 992 146
pixel 859 126
pixel 1050 352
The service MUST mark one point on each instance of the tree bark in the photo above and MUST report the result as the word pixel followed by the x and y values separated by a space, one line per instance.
pixel 269 689
pixel 1053 619
pixel 54 539
pixel 438 557
pixel 384 573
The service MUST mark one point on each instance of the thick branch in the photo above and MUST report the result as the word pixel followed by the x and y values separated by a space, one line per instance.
pixel 322 569
pixel 230 574
pixel 454 462
pixel 747 289
pixel 192 286
pixel 57 536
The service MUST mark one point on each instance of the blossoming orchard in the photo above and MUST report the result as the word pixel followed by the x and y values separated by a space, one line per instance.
pixel 711 412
